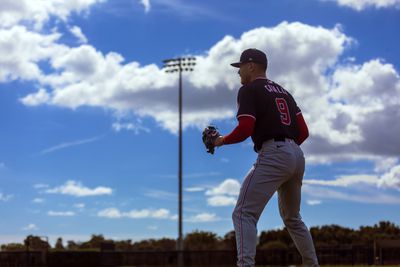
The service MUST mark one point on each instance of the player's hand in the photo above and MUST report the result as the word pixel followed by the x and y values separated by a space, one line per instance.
pixel 209 137
pixel 219 141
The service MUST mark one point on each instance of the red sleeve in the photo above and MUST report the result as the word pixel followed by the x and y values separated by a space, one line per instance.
pixel 242 131
pixel 303 129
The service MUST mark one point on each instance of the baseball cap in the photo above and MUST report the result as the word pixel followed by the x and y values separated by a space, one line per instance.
pixel 251 55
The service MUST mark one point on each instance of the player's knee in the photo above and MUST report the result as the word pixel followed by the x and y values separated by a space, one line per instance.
pixel 291 221
pixel 243 214
pixel 238 214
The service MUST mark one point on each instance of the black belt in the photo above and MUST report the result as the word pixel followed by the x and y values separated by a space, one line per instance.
pixel 280 139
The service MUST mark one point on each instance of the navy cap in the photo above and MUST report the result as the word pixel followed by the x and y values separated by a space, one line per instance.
pixel 251 55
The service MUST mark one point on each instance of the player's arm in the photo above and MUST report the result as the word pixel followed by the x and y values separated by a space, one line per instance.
pixel 303 129
pixel 246 117
pixel 243 130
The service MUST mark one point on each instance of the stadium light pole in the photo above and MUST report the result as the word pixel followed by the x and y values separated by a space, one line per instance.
pixel 179 65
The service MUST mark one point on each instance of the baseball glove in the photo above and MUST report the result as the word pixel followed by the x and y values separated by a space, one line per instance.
pixel 210 134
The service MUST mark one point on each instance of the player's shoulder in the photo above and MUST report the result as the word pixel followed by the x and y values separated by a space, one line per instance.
pixel 257 85
pixel 246 89
pixel 273 83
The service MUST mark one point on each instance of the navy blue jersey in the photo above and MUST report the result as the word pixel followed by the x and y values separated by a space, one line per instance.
pixel 273 108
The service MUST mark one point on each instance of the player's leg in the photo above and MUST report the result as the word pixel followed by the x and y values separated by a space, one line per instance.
pixel 289 198
pixel 260 184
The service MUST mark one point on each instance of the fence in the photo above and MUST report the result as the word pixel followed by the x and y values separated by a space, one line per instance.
pixel 23 258
pixel 385 251
pixel 347 255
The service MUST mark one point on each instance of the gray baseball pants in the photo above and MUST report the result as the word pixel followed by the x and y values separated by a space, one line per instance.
pixel 279 167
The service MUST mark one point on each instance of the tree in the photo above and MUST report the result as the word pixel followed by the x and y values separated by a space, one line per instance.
pixel 333 235
pixel 387 228
pixel 201 240
pixel 163 244
pixel 144 244
pixel 36 243
pixel 13 247
pixel 326 235
pixel 273 245
pixel 228 242
pixel 124 245
pixel 72 245
pixel 59 244
pixel 94 242
pixel 281 235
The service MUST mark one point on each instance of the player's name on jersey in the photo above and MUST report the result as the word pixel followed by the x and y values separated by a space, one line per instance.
pixel 272 88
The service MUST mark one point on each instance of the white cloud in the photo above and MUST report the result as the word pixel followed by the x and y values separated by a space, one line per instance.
pixel 36 99
pixel 115 213
pixel 221 201
pixel 69 144
pixel 38 200
pixel 300 57
pixel 194 189
pixel 4 197
pixel 76 189
pixel 379 197
pixel 361 188
pixel 313 202
pixel 38 12
pixel 23 50
pixel 391 179
pixel 77 32
pixel 386 163
pixel 386 180
pixel 110 213
pixel 30 227
pixel 345 181
pixel 61 213
pixel 229 187
pixel 223 194
pixel 135 127
pixel 203 217
pixel 146 4
pixel 377 185
pixel 159 214
pixel 363 4
pixel 84 79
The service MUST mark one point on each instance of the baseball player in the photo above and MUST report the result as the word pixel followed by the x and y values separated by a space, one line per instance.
pixel 269 114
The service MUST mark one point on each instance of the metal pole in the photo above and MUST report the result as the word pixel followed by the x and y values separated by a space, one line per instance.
pixel 179 65
pixel 180 238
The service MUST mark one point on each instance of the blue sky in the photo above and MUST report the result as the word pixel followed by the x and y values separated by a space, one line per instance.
pixel 88 143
